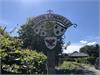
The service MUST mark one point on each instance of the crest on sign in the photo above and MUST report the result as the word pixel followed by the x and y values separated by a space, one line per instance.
pixel 59 30
pixel 50 42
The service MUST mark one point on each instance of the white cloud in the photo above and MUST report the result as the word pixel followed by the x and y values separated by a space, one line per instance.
pixel 83 42
pixel 87 42
pixel 91 43
pixel 72 48
pixel 76 47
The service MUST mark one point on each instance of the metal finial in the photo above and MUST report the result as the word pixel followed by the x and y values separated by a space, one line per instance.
pixel 50 11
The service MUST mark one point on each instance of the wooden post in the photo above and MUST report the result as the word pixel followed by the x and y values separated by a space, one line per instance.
pixel 51 62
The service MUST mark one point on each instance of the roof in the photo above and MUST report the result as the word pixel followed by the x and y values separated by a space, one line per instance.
pixel 78 55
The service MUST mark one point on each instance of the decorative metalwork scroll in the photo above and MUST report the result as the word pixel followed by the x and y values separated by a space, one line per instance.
pixel 50 26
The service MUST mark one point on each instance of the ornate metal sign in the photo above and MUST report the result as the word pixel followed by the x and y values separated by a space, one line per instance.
pixel 50 26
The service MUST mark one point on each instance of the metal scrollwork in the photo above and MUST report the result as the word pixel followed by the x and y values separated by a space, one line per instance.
pixel 51 26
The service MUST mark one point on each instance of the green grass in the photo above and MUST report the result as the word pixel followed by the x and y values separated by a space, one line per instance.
pixel 69 67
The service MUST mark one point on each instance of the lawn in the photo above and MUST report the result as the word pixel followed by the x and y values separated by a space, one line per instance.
pixel 69 67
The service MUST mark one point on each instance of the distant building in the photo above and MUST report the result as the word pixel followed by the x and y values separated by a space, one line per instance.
pixel 71 56
pixel 74 54
pixel 77 54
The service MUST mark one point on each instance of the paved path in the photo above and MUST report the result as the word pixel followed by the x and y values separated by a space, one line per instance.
pixel 89 70
pixel 96 72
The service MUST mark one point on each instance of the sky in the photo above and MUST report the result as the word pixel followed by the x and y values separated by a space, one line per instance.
pixel 85 13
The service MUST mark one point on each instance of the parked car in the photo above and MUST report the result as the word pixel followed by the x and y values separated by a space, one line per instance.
pixel 97 63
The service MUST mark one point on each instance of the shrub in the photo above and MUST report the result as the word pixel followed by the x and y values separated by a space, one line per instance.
pixel 91 60
pixel 16 60
pixel 81 60
pixel 23 61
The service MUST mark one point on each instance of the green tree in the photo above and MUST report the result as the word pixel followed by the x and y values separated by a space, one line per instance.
pixel 3 32
pixel 91 50
pixel 35 42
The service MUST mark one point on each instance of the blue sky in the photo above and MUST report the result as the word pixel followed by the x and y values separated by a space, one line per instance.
pixel 85 13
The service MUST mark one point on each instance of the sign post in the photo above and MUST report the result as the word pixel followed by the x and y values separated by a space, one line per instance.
pixel 50 26
pixel 51 62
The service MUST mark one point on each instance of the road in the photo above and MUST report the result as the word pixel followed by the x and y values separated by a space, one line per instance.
pixel 89 70
pixel 96 72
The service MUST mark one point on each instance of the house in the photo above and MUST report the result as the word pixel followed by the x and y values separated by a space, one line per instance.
pixel 72 56
pixel 78 54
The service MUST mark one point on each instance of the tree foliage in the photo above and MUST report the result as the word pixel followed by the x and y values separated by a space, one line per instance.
pixel 3 32
pixel 17 60
pixel 91 50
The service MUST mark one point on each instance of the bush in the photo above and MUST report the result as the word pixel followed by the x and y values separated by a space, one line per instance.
pixel 87 60
pixel 16 60
pixel 91 60
pixel 81 60
pixel 23 61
